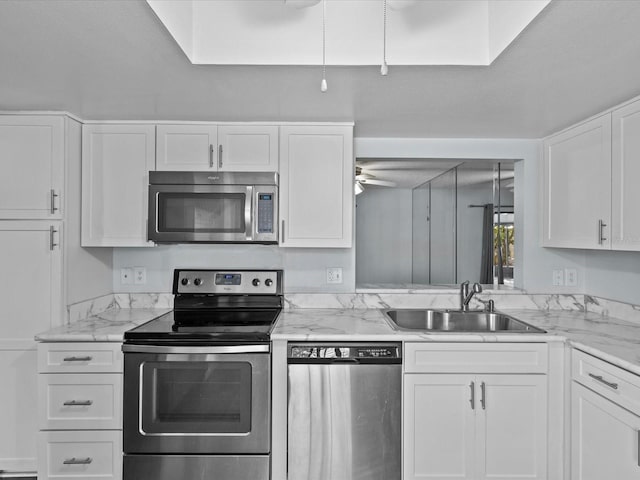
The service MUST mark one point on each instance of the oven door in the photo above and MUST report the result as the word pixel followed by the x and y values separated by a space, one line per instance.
pixel 196 400
pixel 200 213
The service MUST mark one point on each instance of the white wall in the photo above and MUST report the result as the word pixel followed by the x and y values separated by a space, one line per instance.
pixel 383 235
pixel 305 269
pixel 614 275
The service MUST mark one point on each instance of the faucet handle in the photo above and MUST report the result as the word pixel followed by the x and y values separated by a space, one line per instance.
pixel 489 305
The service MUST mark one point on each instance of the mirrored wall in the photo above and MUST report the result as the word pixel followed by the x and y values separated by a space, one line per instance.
pixel 434 222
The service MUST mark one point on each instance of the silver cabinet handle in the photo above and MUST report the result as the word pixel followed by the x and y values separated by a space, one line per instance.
pixel 483 397
pixel 472 400
pixel 78 403
pixel 54 195
pixel 282 231
pixel 52 242
pixel 210 155
pixel 219 156
pixel 602 380
pixel 78 461
pixel 78 359
pixel 601 237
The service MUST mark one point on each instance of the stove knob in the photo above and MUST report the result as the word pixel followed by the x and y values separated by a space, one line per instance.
pixel 256 282
pixel 197 282
pixel 268 282
pixel 184 281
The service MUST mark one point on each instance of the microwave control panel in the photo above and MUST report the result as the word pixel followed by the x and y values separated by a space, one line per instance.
pixel 265 212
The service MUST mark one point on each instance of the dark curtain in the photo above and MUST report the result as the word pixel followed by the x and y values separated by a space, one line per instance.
pixel 486 265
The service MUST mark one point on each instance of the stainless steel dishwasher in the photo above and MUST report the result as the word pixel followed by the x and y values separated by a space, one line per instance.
pixel 344 411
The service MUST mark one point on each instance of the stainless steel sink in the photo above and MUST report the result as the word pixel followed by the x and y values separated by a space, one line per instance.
pixel 457 321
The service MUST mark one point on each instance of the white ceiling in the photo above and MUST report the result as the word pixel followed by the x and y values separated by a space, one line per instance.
pixel 108 59
pixel 273 32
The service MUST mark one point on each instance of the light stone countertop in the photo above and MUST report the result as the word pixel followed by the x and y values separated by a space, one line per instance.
pixel 108 326
pixel 614 340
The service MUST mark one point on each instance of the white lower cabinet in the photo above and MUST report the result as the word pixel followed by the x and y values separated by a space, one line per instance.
pixel 66 455
pixel 605 421
pixel 80 411
pixel 474 425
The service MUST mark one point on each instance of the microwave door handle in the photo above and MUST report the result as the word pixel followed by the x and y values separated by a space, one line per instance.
pixel 248 214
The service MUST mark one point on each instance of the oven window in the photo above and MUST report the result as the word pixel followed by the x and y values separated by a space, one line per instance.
pixel 196 397
pixel 201 212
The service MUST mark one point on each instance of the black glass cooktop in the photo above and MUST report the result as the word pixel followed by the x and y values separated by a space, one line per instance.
pixel 214 326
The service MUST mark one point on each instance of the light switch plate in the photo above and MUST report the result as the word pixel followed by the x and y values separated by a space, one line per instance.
pixel 126 276
pixel 570 277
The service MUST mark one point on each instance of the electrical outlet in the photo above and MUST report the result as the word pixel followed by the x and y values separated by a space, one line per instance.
pixel 570 277
pixel 558 278
pixel 126 276
pixel 334 275
pixel 139 275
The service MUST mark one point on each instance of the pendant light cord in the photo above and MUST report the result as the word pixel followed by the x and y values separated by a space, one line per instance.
pixel 323 85
pixel 384 69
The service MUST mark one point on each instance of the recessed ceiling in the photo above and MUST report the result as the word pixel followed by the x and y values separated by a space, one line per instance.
pixel 277 32
pixel 114 60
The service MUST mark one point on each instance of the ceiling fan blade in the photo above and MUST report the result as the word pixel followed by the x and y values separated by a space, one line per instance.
pixel 382 183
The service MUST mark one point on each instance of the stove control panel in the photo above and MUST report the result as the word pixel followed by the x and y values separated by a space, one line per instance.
pixel 241 282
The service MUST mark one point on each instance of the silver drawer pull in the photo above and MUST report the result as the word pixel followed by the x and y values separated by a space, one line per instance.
pixel 78 359
pixel 78 403
pixel 602 380
pixel 483 398
pixel 78 461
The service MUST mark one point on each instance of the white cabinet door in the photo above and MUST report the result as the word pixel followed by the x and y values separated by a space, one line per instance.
pixel 31 280
pixel 187 147
pixel 577 186
pixel 31 298
pixel 316 186
pixel 31 166
pixel 248 148
pixel 116 160
pixel 512 427
pixel 604 438
pixel 625 171
pixel 439 427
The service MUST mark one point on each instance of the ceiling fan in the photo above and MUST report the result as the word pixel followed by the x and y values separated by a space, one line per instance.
pixel 365 177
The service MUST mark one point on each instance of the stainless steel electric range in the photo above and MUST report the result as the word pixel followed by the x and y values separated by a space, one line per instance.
pixel 197 381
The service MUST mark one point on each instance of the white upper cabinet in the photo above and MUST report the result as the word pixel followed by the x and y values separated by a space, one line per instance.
pixel 625 170
pixel 316 186
pixel 252 148
pixel 577 187
pixel 231 148
pixel 31 166
pixel 187 147
pixel 116 160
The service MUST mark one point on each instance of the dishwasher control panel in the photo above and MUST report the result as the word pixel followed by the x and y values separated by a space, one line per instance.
pixel 346 352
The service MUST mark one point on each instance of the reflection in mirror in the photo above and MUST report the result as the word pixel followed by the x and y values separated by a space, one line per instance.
pixel 434 222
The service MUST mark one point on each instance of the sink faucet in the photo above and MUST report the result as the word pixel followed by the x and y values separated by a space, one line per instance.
pixel 466 295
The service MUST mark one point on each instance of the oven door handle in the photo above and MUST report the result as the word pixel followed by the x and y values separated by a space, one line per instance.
pixel 185 349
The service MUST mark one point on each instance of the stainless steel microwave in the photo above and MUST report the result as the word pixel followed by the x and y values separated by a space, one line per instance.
pixel 213 207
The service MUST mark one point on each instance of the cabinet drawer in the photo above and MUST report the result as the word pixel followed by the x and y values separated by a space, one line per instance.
pixel 475 358
pixel 85 455
pixel 614 383
pixel 80 401
pixel 80 357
